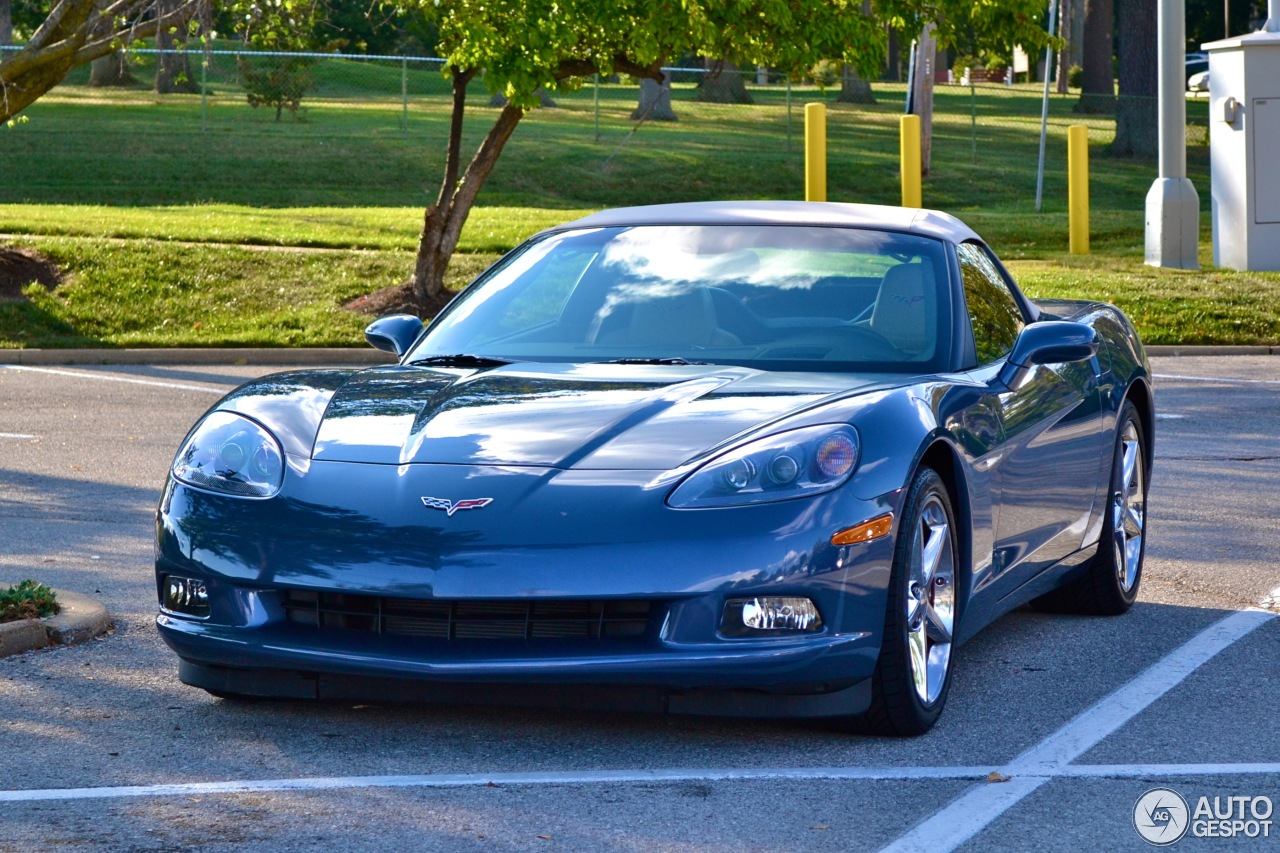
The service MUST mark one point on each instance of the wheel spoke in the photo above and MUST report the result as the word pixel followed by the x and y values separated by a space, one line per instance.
pixel 938 626
pixel 933 551
pixel 1134 521
pixel 918 645
pixel 1129 467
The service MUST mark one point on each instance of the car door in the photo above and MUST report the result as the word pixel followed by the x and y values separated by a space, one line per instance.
pixel 1045 478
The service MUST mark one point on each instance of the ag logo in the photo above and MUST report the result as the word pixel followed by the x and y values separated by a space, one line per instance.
pixel 1160 816
pixel 450 507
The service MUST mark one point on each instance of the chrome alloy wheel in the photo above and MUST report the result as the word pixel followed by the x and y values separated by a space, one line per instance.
pixel 1129 509
pixel 931 600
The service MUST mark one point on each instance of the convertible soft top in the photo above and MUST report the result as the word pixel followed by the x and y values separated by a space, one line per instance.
pixel 930 223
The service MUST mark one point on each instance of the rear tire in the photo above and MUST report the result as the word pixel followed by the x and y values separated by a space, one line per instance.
pixel 913 674
pixel 1109 585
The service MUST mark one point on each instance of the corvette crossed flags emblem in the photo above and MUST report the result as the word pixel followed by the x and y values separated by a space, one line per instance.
pixel 450 507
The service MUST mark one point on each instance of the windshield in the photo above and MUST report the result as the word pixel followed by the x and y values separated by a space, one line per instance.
pixel 769 297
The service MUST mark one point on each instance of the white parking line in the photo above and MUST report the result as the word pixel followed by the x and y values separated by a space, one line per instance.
pixel 618 777
pixel 971 813
pixel 102 377
pixel 1215 379
pixel 16 435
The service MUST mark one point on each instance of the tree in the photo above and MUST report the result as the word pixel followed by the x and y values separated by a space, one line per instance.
pixel 74 32
pixel 1064 54
pixel 655 100
pixel 111 70
pixel 1137 110
pixel 723 83
pixel 6 22
pixel 1097 87
pixel 854 88
pixel 173 71
pixel 524 45
pixel 275 26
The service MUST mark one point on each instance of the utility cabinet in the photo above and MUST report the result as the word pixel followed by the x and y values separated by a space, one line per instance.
pixel 1244 150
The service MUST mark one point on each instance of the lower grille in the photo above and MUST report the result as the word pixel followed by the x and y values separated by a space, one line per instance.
pixel 470 620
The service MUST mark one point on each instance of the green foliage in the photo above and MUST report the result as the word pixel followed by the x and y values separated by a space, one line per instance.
pixel 27 600
pixel 1075 77
pixel 275 81
pixel 526 45
pixel 825 73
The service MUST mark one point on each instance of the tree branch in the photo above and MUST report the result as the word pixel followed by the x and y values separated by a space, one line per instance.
pixel 621 63
pixel 453 154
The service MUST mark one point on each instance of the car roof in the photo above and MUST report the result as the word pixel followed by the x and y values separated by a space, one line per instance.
pixel 930 223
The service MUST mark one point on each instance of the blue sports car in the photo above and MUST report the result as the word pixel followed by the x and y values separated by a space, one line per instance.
pixel 759 458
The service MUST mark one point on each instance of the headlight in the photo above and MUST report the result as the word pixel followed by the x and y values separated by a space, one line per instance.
pixel 794 464
pixel 231 454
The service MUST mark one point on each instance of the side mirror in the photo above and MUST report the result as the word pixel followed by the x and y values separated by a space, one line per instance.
pixel 393 334
pixel 1049 342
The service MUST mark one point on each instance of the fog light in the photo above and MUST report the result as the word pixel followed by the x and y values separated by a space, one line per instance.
pixel 744 616
pixel 186 595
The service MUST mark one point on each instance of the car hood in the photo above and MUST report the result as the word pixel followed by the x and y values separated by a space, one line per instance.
pixel 601 416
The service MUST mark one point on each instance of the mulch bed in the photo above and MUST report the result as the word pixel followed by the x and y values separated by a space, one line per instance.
pixel 21 267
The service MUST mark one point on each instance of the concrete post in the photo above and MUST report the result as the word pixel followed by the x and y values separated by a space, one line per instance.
pixel 1173 206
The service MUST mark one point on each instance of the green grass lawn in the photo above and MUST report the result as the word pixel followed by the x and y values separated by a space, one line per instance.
pixel 255 232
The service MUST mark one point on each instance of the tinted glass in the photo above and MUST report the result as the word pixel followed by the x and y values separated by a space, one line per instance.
pixel 994 312
pixel 772 297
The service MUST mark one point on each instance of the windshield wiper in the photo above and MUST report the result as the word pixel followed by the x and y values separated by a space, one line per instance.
pixel 673 360
pixel 462 359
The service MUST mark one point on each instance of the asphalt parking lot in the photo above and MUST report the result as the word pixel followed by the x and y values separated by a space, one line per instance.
pixel 1077 718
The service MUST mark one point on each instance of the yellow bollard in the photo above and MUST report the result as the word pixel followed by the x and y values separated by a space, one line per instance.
pixel 909 154
pixel 815 152
pixel 1078 187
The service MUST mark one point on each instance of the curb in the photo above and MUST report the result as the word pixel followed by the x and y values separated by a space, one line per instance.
pixel 269 356
pixel 81 618
pixel 247 355
pixel 1176 350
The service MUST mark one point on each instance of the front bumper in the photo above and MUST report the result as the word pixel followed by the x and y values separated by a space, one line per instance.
pixel 362 530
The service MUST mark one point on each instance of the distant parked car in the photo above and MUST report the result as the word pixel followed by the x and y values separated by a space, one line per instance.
pixel 1196 63
pixel 1198 82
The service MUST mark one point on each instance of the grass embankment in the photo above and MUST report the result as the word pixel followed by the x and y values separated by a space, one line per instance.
pixel 255 233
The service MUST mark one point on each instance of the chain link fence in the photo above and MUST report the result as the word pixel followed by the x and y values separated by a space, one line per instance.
pixel 341 129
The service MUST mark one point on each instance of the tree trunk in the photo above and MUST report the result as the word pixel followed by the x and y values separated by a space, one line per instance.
pixel 1097 91
pixel 6 22
pixel 173 71
pixel 1137 111
pixel 1064 55
pixel 893 58
pixel 442 224
pixel 111 70
pixel 854 89
pixel 655 101
pixel 723 84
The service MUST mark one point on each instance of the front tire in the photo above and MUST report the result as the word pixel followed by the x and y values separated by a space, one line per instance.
pixel 913 674
pixel 1110 583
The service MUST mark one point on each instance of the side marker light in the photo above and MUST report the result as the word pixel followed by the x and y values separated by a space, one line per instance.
pixel 867 531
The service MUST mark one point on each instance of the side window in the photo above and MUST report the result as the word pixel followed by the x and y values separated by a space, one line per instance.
pixel 993 311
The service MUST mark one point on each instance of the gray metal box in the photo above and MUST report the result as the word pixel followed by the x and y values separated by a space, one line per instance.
pixel 1244 150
